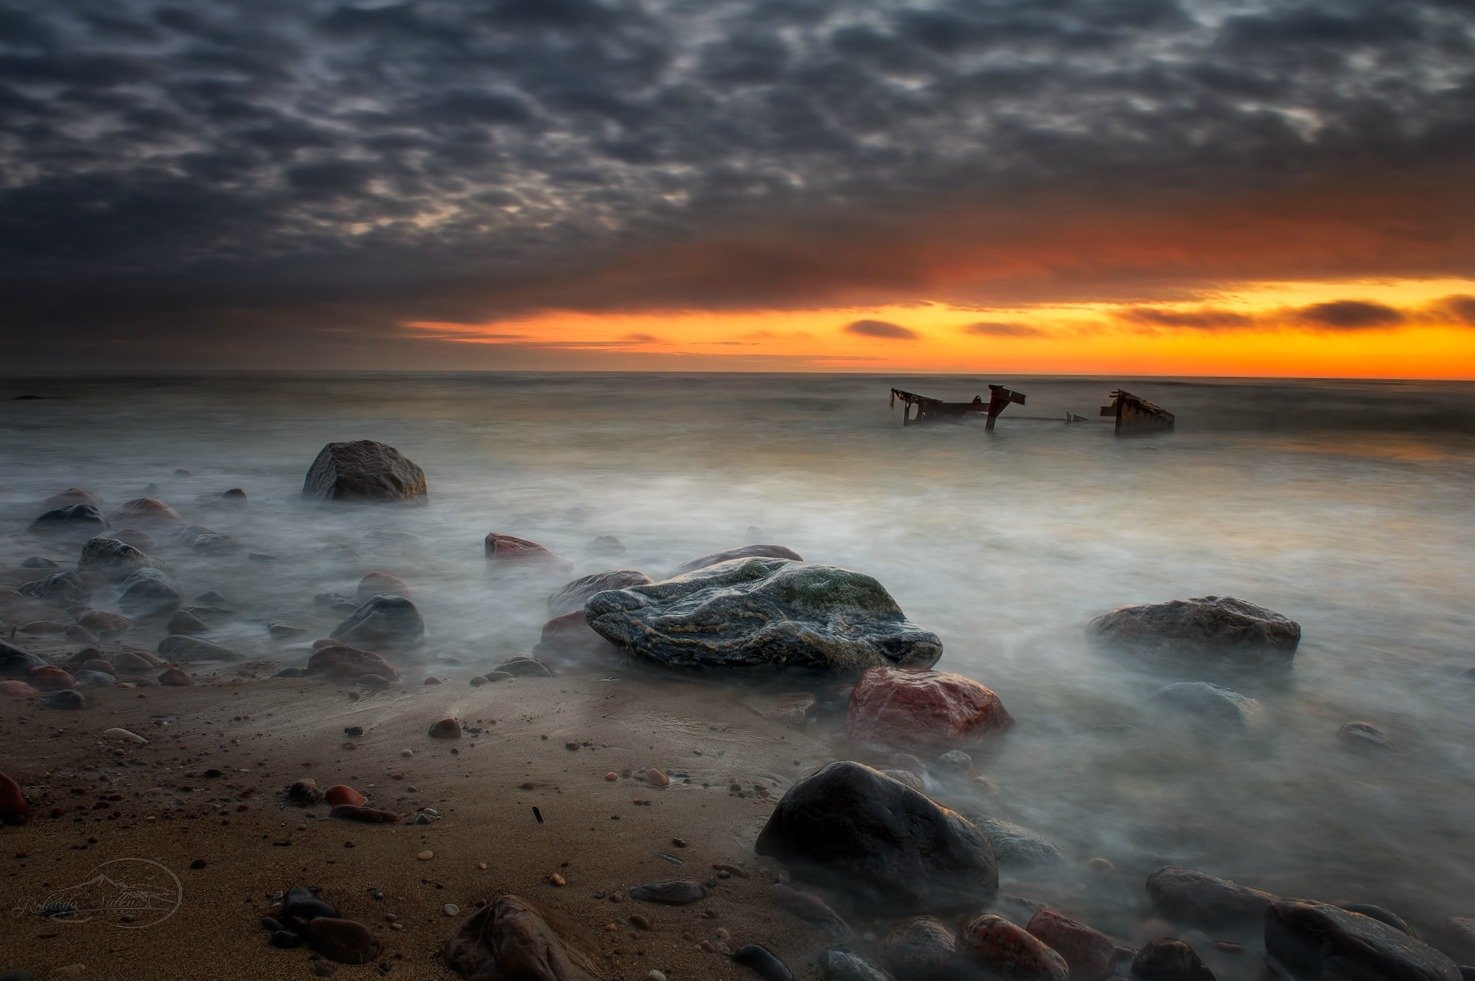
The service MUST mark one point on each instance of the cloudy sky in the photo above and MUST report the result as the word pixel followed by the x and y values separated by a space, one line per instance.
pixel 1180 186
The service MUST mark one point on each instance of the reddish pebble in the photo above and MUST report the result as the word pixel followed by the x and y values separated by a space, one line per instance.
pixel 1089 953
pixel 17 689
pixel 13 806
pixel 175 677
pixel 47 678
pixel 344 794
pixel 446 729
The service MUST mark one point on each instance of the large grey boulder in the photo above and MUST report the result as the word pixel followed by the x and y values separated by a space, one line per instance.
pixel 763 612
pixel 364 470
pixel 1213 626
pixel 1204 900
pixel 1313 941
pixel 69 519
pixel 574 595
pixel 385 619
pixel 741 552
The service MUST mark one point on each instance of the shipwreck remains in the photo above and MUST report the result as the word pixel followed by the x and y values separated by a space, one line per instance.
pixel 931 410
pixel 1136 415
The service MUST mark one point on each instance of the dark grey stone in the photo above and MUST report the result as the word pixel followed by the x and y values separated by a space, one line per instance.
pixel 383 619
pixel 1311 941
pixel 573 596
pixel 364 470
pixel 1209 626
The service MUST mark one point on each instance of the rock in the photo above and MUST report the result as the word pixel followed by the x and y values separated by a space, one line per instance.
pixel 921 948
pixel 856 831
pixel 509 939
pixel 72 518
pixel 1311 940
pixel 1089 954
pixel 234 495
pixel 845 965
pixel 446 729
pixel 1209 626
pixel 742 552
pixel 45 677
pixel 336 602
pixel 1007 952
pixel 386 619
pixel 191 650
pixel 364 815
pixel 676 892
pixel 657 778
pixel 81 635
pixel 134 537
pixel 104 624
pixel 340 661
pixel 606 545
pixel 381 584
pixel 1211 707
pixel 72 495
pixel 340 940
pixel 16 662
pixel 377 682
pixel 304 792
pixel 185 622
pixel 1016 846
pixel 207 542
pixel 284 630
pixel 1169 959
pixel 364 470
pixel 124 736
pixel 149 592
pixel 1386 916
pixel 1362 735
pixel 573 596
pixel 504 549
pixel 522 666
pixel 342 793
pixel 95 679
pixel 763 962
pixel 954 759
pixel 1189 896
pixel 61 588
pixel 38 562
pixel 66 698
pixel 117 560
pixel 810 909
pixel 763 613
pixel 12 688
pixel 569 638
pixel 144 511
pixel 923 710
pixel 175 678
pixel 14 808
pixel 1455 936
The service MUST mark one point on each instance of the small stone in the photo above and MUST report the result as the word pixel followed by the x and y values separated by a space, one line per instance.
pixel 426 855
pixel 123 735
pixel 343 794
pixel 676 892
pixel 557 880
pixel 451 909
pixel 446 729
pixel 1364 735
pixel 657 777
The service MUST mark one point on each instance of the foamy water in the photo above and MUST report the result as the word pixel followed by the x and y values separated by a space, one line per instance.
pixel 1345 506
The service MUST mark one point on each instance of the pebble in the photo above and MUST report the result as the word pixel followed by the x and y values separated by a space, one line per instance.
pixel 557 880
pixel 611 776
pixel 446 729
pixel 655 975
pixel 125 736
pixel 657 777
pixel 407 753
pixel 426 855
pixel 66 698
pixel 1365 734
pixel 676 892
pixel 451 909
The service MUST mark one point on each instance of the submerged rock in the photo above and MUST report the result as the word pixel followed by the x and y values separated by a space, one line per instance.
pixel 1169 959
pixel 1016 846
pixel 70 496
pixel 104 624
pixel 340 661
pixel 846 965
pixel 570 639
pixel 386 619
pixel 69 519
pixel 762 962
pixel 62 588
pixel 381 584
pixel 1005 951
pixel 115 559
pixel 881 844
pixel 144 510
pixel 509 939
pixel 1209 626
pixel 742 552
pixel 1312 941
pixel 923 709
pixel 185 622
pixel 921 948
pixel 572 597
pixel 364 470
pixel 1191 896
pixel 763 612
pixel 503 549
pixel 1212 707
pixel 149 592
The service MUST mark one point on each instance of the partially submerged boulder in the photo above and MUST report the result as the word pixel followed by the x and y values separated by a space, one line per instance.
pixel 574 595
pixel 386 619
pixel 509 940
pixel 379 584
pixel 61 588
pixel 1312 941
pixel 1212 708
pixel 341 661
pixel 763 612
pixel 923 710
pixel 149 592
pixel 70 496
pixel 742 552
pixel 15 662
pixel 879 844
pixel 143 511
pixel 115 559
pixel 364 470
pixel 503 549
pixel 1209 626
pixel 1191 896
pixel 191 650
pixel 999 948
pixel 569 639
pixel 70 518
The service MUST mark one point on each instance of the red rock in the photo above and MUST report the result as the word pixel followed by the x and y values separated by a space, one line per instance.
pixel 1007 951
pixel 506 548
pixel 175 677
pixel 17 689
pixel 358 812
pixel 142 509
pixel 344 941
pixel 344 794
pixel 341 661
pixel 923 709
pixel 1089 953
pixel 13 806
pixel 380 584
pixel 446 729
pixel 47 678
pixel 571 636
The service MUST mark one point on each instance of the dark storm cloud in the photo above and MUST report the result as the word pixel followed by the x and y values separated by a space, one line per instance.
pixel 995 328
pixel 308 170
pixel 1350 315
pixel 1202 319
pixel 881 328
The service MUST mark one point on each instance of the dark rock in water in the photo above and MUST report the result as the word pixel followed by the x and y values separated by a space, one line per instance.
pixel 185 622
pixel 62 588
pixel 117 560
pixel 676 892
pixel 763 962
pixel 15 662
pixel 921 948
pixel 344 662
pixel 1169 959
pixel 1212 707
pixel 860 833
pixel 207 542
pixel 70 496
pixel 1016 846
pixel 337 602
pixel 1455 936
pixel 380 584
pixel 763 613
pixel 742 552
pixel 846 965
pixel 573 596
pixel 39 562
pixel 1381 915
pixel 14 809
pixel 384 619
pixel 1006 951
pixel 606 545
pixel 144 511
pixel 570 639
pixel 931 710
pixel 1190 896
pixel 299 905
pixel 810 909
pixel 1359 735
pixel 134 537
pixel 1089 954
pixel 509 939
pixel 1209 626
pixel 190 650
pixel 523 666
pixel 67 698
pixel 504 550
pixel 377 682
pixel 1311 941
pixel 364 470
pixel 343 941
pixel 69 519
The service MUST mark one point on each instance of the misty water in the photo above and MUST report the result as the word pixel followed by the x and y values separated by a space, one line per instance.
pixel 1344 505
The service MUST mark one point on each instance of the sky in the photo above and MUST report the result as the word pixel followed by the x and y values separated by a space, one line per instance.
pixel 1274 188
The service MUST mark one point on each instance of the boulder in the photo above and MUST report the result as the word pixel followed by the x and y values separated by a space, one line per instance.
pixel 505 549
pixel 1004 951
pixel 192 650
pixel 12 688
pixel 39 562
pixel 364 470
pixel 340 661
pixel 1198 898
pixel 1455 936
pixel 1016 846
pixel 509 940
pixel 573 596
pixel 116 560
pixel 49 678
pixel 879 843
pixel 149 592
pixel 921 948
pixel 1209 626
pixel 185 622
pixel 175 678
pixel 145 511
pixel 743 552
pixel 846 965
pixel 69 519
pixel 1089 954
pixel 1311 941
pixel 15 662
pixel 134 537
pixel 381 584
pixel 104 624
pixel 569 639
pixel 1169 959
pixel 386 619
pixel 1211 708
pixel 764 612
pixel 70 496
pixel 61 588
pixel 912 709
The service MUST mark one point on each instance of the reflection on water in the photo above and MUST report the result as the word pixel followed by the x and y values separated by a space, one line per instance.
pixel 1344 505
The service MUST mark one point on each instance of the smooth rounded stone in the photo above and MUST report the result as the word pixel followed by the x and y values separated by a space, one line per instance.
pixel 363 814
pixel 15 662
pixel 763 962
pixel 47 677
pixel 191 650
pixel 509 938
pixel 810 909
pixel 340 940
pixel 846 965
pixel 97 664
pixel 104 624
pixel 364 470
pixel 342 793
pixel 1386 916
pixel 1088 953
pixel 66 698
pixel 132 661
pixel 122 735
pixel 11 688
pixel 1455 936
pixel 1198 898
pixel 61 588
pixel 381 584
pixel 384 619
pixel 175 678
pixel 509 549
pixel 14 808
pixel 43 627
pixel 954 759
pixel 149 592
pixel 234 495
pixel 340 661
pixel 522 666
pixel 134 537
pixel 908 778
pixel 95 679
pixel 1169 959
pixel 144 510
pixel 377 682
pixel 185 622
pixel 675 892
pixel 741 552
pixel 923 710
pixel 337 602
pixel 921 948
pixel 1016 846
pixel 763 612
pixel 285 939
pixel 39 562
pixel 1007 952
pixel 1208 626
pixel 880 844
pixel 574 595
pixel 284 630
pixel 1364 735
pixel 208 542
pixel 70 496
pixel 78 518
pixel 116 560
pixel 445 729
pixel 1310 940
pixel 299 905
pixel 1212 707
